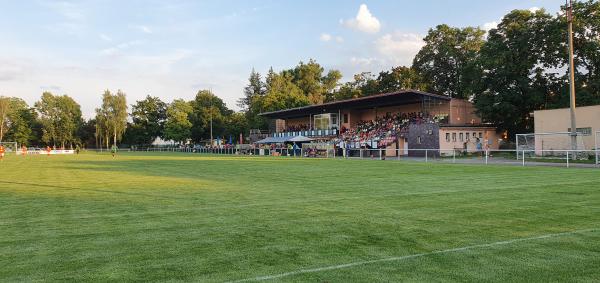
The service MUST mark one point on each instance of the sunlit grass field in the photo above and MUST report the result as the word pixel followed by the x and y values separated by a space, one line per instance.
pixel 186 217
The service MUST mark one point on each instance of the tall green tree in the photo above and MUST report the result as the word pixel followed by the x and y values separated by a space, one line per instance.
pixel 331 82
pixel 251 102
pixel 5 110
pixel 255 88
pixel 310 79
pixel 206 107
pixel 60 117
pixel 513 81
pixel 364 84
pixel 114 110
pixel 283 93
pixel 448 60
pixel 22 120
pixel 102 132
pixel 236 125
pixel 586 39
pixel 148 120
pixel 399 78
pixel 87 133
pixel 178 126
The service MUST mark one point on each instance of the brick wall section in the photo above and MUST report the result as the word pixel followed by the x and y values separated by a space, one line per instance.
pixel 430 138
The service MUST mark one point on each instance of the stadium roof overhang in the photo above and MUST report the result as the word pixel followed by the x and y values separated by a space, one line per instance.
pixel 379 100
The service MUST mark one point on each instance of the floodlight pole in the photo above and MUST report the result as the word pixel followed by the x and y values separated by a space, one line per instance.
pixel 211 119
pixel 572 78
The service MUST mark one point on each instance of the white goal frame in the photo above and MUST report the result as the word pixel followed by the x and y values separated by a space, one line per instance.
pixel 533 148
pixel 14 145
pixel 597 146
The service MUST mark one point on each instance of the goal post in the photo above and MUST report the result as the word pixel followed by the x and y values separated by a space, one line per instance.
pixel 553 144
pixel 10 147
pixel 597 146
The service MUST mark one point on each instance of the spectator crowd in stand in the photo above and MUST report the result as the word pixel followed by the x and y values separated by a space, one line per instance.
pixel 297 128
pixel 386 129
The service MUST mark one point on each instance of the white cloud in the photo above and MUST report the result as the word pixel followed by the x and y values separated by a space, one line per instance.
pixel 105 37
pixel 161 63
pixel 142 28
pixel 325 37
pixel 489 26
pixel 399 48
pixel 115 50
pixel 534 9
pixel 14 69
pixel 361 61
pixel 364 21
pixel 69 10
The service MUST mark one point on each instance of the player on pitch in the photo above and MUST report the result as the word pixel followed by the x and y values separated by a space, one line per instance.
pixel 113 150
pixel 1 152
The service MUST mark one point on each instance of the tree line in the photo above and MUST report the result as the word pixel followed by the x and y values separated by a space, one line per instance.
pixel 516 68
pixel 56 120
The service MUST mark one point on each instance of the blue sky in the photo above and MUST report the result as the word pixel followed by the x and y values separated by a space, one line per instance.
pixel 171 49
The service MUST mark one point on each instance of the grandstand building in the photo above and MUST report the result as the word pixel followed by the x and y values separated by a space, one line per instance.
pixel 399 122
pixel 552 128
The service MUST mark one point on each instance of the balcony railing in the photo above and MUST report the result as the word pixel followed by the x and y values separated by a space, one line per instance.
pixel 309 133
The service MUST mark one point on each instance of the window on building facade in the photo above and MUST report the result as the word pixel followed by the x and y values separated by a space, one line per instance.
pixel 467 136
pixel 583 131
pixel 447 137
pixel 461 137
pixel 453 137
pixel 480 135
pixel 419 140
pixel 346 118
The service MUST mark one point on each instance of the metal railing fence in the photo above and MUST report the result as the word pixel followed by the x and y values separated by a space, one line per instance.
pixel 584 158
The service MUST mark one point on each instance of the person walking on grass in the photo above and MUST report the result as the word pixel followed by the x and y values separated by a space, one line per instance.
pixel 2 152
pixel 113 150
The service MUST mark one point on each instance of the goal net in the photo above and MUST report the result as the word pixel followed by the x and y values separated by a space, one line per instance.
pixel 10 147
pixel 554 145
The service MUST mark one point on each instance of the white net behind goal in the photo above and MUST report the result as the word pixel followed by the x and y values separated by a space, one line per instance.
pixel 10 147
pixel 553 144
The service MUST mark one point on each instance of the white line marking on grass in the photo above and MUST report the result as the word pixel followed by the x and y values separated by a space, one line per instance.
pixel 399 258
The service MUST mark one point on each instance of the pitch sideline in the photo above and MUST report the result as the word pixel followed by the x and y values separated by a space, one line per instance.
pixel 359 263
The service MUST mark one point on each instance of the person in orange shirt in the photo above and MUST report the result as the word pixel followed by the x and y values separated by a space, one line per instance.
pixel 24 150
pixel 1 152
pixel 48 149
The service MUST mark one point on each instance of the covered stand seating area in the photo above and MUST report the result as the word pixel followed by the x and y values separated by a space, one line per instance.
pixel 277 146
pixel 405 122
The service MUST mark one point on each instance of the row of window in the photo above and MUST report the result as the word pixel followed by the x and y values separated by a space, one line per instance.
pixel 462 137
pixel 583 131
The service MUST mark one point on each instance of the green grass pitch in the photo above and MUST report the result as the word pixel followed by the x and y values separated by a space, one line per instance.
pixel 185 217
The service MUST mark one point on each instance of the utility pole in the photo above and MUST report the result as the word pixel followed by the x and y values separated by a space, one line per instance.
pixel 211 117
pixel 572 78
